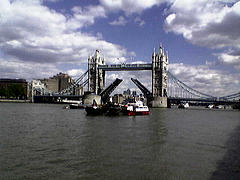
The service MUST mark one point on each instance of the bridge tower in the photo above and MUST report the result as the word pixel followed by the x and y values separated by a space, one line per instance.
pixel 159 78
pixel 96 76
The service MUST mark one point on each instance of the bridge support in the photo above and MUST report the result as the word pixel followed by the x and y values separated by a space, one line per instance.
pixel 159 78
pixel 96 76
pixel 159 102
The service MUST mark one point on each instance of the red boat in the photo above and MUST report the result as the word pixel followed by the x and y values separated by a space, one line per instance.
pixel 133 109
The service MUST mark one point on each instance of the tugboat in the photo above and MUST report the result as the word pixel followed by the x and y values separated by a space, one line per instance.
pixel 133 109
pixel 94 109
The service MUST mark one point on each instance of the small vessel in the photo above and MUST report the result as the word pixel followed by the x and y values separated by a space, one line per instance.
pixel 183 105
pixel 210 106
pixel 132 109
pixel 76 106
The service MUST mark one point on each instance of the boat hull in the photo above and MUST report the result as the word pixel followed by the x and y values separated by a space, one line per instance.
pixel 93 111
pixel 134 113
pixel 75 106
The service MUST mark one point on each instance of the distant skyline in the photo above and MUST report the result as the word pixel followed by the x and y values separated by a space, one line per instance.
pixel 40 38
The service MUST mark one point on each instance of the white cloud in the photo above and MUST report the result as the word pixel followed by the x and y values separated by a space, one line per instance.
pixel 75 72
pixel 214 24
pixel 229 59
pixel 85 16
pixel 130 6
pixel 204 79
pixel 206 23
pixel 49 38
pixel 121 21
pixel 13 68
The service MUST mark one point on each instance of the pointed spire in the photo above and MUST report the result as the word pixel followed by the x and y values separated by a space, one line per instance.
pixel 97 52
pixel 166 56
pixel 154 52
pixel 160 49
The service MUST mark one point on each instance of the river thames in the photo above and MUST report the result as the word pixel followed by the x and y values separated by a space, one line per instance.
pixel 45 141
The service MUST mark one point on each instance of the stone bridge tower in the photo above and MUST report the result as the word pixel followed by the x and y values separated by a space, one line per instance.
pixel 96 77
pixel 159 78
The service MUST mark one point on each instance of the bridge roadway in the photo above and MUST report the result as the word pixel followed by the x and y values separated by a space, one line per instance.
pixel 125 67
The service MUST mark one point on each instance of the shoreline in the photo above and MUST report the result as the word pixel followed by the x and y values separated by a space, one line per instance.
pixel 15 101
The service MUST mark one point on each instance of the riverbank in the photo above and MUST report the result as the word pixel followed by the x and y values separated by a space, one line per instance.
pixel 14 101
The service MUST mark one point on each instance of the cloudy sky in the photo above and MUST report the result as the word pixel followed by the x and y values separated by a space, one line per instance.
pixel 39 38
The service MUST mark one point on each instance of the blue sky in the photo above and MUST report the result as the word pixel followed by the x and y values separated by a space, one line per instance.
pixel 43 37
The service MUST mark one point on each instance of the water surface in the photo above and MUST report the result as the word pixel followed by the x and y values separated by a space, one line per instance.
pixel 45 141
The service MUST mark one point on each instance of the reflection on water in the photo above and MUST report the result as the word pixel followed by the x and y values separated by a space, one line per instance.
pixel 44 141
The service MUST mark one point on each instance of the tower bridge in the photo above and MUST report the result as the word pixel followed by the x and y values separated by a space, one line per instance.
pixel 165 86
pixel 159 68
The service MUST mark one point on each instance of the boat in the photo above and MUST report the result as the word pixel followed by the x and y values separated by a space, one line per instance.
pixel 133 109
pixel 210 106
pixel 183 105
pixel 76 106
pixel 94 109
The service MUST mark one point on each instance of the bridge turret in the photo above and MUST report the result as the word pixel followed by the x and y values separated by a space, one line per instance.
pixel 159 79
pixel 96 76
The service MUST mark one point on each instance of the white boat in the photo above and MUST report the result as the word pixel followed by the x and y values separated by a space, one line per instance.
pixel 183 105
pixel 210 106
pixel 137 108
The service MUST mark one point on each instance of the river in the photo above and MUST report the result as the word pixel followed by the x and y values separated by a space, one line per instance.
pixel 45 141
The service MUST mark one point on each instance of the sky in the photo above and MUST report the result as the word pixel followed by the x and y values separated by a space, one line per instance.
pixel 40 38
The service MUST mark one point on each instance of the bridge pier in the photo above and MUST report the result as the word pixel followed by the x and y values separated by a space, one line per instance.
pixel 159 102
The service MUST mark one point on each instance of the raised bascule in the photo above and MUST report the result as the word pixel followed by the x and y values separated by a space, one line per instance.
pixel 165 86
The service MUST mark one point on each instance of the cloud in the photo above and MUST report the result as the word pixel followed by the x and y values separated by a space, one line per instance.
pixel 213 24
pixel 49 38
pixel 13 68
pixel 204 79
pixel 75 72
pixel 139 21
pixel 121 21
pixel 231 58
pixel 85 16
pixel 130 6
pixel 206 23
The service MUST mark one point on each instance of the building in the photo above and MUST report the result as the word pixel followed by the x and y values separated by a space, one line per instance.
pixel 134 93
pixel 127 92
pixel 13 88
pixel 58 82
pixel 118 98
